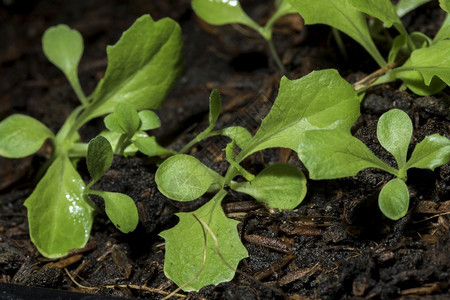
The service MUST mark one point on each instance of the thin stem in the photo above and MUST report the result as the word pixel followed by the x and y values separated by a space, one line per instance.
pixel 200 137
pixel 275 56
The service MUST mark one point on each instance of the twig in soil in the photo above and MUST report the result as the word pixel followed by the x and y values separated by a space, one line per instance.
pixel 368 80
pixel 267 242
pixel 274 267
pixel 296 275
pixel 79 284
pixel 426 289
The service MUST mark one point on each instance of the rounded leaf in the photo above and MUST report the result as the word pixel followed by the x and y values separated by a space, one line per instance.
pixel 394 131
pixel 112 124
pixel 184 178
pixel 99 157
pixel 63 47
pixel 21 135
pixel 121 210
pixel 127 118
pixel 394 199
pixel 281 186
pixel 149 120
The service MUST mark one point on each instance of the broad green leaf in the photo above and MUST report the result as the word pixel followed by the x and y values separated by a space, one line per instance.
pixel 320 100
pixel 394 199
pixel 405 6
pixel 329 154
pixel 445 5
pixel 184 178
pixel 21 135
pixel 397 45
pixel 431 61
pixel 150 147
pixel 142 67
pixel 341 15
pixel 112 124
pixel 121 210
pixel 394 132
pixel 59 216
pixel 185 248
pixel 281 186
pixel 149 120
pixel 414 81
pixel 99 157
pixel 383 10
pixel 215 105
pixel 64 47
pixel 444 31
pixel 432 152
pixel 127 118
pixel 221 12
pixel 114 137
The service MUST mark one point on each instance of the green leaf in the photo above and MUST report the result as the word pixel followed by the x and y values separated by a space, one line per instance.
pixel 221 12
pixel 114 137
pixel 59 216
pixel 21 135
pixel 383 10
pixel 185 248
pixel 445 5
pixel 112 124
pixel 394 132
pixel 99 157
pixel 341 15
pixel 405 6
pixel 433 151
pixel 329 154
pixel 184 178
pixel 444 31
pixel 398 44
pixel 127 118
pixel 64 47
pixel 149 120
pixel 215 105
pixel 394 199
pixel 320 100
pixel 150 147
pixel 238 134
pixel 430 62
pixel 120 209
pixel 281 186
pixel 142 67
pixel 414 81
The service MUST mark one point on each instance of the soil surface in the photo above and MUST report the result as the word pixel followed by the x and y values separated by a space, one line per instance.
pixel 335 245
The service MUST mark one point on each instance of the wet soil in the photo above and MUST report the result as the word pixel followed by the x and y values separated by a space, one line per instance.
pixel 335 245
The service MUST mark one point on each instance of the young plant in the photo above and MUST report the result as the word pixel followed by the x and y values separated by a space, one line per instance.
pixel 142 67
pixel 320 100
pixel 422 63
pixel 329 154
pixel 230 11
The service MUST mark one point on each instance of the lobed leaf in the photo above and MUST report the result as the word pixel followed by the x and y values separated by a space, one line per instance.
pixel 432 152
pixel 329 154
pixel 142 67
pixel 445 5
pixel 184 178
pixel 222 12
pixel 394 199
pixel 21 135
pixel 281 186
pixel 99 157
pixel 394 132
pixel 341 15
pixel 121 210
pixel 185 248
pixel 59 216
pixel 320 100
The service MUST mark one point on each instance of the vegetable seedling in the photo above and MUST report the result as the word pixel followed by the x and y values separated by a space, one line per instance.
pixel 329 154
pixel 421 63
pixel 142 66
pixel 299 107
pixel 230 11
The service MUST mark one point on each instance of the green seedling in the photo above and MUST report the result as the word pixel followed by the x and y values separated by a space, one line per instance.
pixel 329 154
pixel 142 67
pixel 320 100
pixel 421 63
pixel 230 11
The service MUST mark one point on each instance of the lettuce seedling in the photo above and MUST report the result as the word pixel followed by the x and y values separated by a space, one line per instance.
pixel 421 63
pixel 329 154
pixel 230 11
pixel 142 67
pixel 320 100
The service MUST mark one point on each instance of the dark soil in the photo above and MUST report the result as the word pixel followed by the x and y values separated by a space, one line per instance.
pixel 335 245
